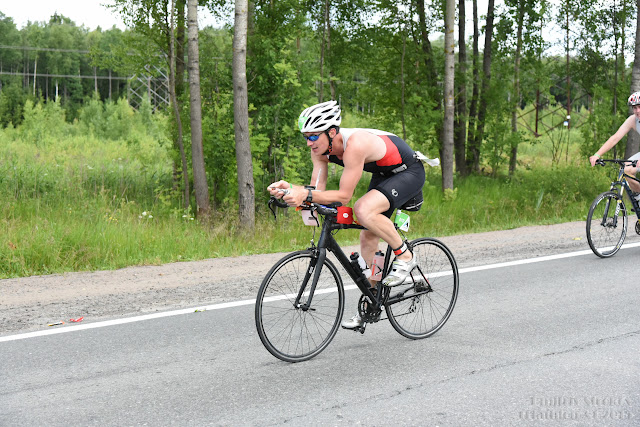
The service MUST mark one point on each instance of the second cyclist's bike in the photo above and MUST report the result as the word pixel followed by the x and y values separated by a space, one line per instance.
pixel 300 303
pixel 607 221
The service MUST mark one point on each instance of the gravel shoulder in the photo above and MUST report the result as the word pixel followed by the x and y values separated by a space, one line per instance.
pixel 29 304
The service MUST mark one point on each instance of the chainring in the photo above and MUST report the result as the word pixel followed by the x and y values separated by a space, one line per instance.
pixel 366 307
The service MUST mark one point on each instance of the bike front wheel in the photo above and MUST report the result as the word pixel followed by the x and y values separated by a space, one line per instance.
pixel 607 224
pixel 293 330
pixel 423 303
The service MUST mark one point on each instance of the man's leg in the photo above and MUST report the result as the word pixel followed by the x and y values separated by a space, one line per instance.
pixel 630 170
pixel 369 212
pixel 368 209
pixel 368 245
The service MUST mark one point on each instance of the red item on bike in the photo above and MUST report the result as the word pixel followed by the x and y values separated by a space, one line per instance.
pixel 345 215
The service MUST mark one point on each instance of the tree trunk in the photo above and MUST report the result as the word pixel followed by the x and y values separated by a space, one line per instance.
pixel 246 190
pixel 322 50
pixel 35 74
pixel 473 159
pixel 633 139
pixel 460 127
pixel 513 160
pixel 402 86
pixel 486 80
pixel 176 112
pixel 197 155
pixel 180 35
pixel 426 47
pixel 332 83
pixel 449 70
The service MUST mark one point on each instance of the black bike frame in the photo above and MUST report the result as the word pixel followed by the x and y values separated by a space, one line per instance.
pixel 327 242
pixel 624 185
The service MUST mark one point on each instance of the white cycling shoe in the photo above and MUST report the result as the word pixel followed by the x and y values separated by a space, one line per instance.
pixel 400 271
pixel 355 322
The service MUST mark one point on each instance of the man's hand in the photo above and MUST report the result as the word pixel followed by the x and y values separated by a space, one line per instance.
pixel 278 188
pixel 292 195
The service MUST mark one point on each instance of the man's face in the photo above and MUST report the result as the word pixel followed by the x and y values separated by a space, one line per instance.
pixel 636 110
pixel 315 141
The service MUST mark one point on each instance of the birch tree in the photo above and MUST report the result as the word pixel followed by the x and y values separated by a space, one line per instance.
pixel 447 142
pixel 176 109
pixel 516 85
pixel 473 157
pixel 246 189
pixel 633 140
pixel 197 155
pixel 486 80
pixel 460 126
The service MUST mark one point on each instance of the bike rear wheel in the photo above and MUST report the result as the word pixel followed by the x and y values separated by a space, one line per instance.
pixel 422 305
pixel 607 224
pixel 293 332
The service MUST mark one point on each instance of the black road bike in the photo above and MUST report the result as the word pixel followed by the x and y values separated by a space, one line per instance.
pixel 607 221
pixel 300 303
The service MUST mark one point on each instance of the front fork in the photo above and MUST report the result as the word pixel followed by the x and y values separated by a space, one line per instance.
pixel 315 267
pixel 616 187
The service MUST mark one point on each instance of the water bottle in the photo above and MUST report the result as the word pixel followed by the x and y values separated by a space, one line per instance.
pixel 377 265
pixel 357 260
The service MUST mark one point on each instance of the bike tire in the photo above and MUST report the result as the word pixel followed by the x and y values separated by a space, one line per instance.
pixel 421 313
pixel 607 224
pixel 289 332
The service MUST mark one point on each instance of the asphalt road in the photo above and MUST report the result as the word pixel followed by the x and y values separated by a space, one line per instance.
pixel 554 343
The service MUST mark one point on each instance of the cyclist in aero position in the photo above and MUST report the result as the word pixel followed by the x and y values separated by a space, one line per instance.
pixel 397 180
pixel 632 122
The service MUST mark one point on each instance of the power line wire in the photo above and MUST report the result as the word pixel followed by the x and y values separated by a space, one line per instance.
pixel 9 73
pixel 46 49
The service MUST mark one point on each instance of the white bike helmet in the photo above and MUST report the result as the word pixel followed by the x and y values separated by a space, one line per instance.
pixel 634 99
pixel 320 117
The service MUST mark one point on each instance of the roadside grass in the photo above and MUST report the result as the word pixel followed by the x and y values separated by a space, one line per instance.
pixel 74 203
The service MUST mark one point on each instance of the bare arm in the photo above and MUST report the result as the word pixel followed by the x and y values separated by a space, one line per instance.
pixel 297 194
pixel 628 125
pixel 320 172
pixel 353 167
pixel 362 147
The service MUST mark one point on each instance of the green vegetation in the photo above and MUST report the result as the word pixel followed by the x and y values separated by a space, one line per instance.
pixel 92 196
pixel 88 182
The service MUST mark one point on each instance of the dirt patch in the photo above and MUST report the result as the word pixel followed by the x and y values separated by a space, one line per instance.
pixel 29 304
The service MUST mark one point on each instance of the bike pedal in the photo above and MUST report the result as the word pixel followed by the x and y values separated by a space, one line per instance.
pixel 355 329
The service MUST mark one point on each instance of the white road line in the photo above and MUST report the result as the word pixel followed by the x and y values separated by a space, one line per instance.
pixel 114 322
pixel 105 323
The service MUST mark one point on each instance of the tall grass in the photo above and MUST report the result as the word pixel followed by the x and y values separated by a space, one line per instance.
pixel 75 197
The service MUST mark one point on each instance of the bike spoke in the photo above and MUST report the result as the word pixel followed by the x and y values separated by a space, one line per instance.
pixel 606 224
pixel 296 332
pixel 422 309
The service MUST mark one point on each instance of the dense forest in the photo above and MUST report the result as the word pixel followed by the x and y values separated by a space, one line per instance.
pixel 384 61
